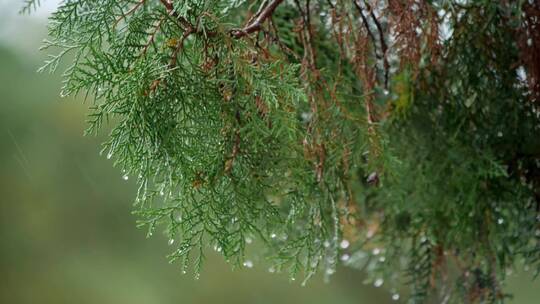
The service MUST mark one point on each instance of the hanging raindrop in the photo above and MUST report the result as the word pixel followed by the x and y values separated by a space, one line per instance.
pixel 345 257
pixel 125 177
pixel 344 244
pixel 378 282
pixel 395 296
pixel 171 241
pixel 248 264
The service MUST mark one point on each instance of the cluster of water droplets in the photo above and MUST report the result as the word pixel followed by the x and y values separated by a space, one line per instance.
pixel 124 175
pixel 248 264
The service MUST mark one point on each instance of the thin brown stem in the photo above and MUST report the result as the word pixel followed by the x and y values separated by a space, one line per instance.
pixel 131 11
pixel 256 24
pixel 152 37
pixel 183 21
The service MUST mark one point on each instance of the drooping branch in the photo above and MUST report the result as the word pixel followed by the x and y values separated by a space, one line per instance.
pixel 382 41
pixel 366 25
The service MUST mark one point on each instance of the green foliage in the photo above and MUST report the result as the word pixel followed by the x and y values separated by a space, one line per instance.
pixel 329 132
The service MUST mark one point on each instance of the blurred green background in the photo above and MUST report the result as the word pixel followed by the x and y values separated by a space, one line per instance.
pixel 66 230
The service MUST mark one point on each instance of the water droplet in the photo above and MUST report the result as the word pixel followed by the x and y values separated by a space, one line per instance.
pixel 378 282
pixel 344 244
pixel 271 270
pixel 345 257
pixel 500 221
pixel 171 241
pixel 395 296
pixel 326 244
pixel 273 235
pixel 382 259
pixel 125 177
pixel 500 134
pixel 292 279
pixel 376 251
pixel 372 178
pixel 249 240
pixel 248 264
pixel 109 155
pixel 330 271
pixel 386 92
pixel 161 192
pixel 423 239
